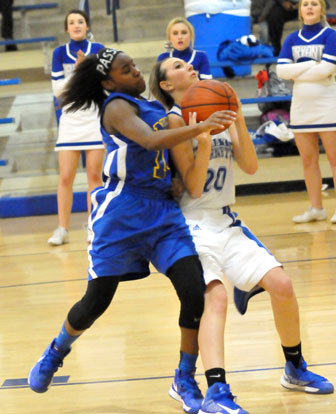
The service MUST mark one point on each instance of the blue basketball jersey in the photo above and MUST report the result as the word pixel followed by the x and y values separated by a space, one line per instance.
pixel 134 219
pixel 64 59
pixel 128 161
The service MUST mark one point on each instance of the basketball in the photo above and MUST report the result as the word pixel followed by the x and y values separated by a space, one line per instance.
pixel 206 97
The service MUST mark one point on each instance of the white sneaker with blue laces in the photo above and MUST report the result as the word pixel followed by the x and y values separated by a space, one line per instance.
pixel 300 379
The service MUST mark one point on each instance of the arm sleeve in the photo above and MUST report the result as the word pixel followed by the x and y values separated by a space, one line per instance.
pixel 329 51
pixel 294 70
pixel 286 68
pixel 286 54
pixel 58 81
pixel 327 66
pixel 321 70
pixel 204 69
pixel 58 86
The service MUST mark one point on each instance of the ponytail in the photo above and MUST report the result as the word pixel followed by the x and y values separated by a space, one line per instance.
pixel 157 75
pixel 85 85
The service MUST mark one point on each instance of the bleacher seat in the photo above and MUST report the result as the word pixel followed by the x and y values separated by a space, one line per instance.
pixel 14 81
pixel 24 8
pixel 45 43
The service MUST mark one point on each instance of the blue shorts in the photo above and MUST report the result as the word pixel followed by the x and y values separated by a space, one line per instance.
pixel 130 230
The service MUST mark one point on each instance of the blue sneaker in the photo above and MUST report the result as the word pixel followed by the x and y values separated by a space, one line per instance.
pixel 300 379
pixel 185 389
pixel 219 400
pixel 241 298
pixel 41 375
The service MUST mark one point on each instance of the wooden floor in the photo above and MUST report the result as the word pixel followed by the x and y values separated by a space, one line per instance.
pixel 125 363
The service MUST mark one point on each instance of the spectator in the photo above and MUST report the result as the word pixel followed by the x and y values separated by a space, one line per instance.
pixel 180 35
pixel 281 12
pixel 308 57
pixel 6 8
pixel 79 131
pixel 260 10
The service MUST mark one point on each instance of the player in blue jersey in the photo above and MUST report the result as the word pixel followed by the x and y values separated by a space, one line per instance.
pixel 225 244
pixel 79 131
pixel 180 34
pixel 134 219
pixel 308 57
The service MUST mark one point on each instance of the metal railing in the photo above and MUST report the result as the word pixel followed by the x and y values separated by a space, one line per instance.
pixel 111 8
pixel 84 5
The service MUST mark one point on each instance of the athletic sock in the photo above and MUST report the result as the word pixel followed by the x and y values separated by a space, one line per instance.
pixel 64 341
pixel 293 354
pixel 187 363
pixel 215 375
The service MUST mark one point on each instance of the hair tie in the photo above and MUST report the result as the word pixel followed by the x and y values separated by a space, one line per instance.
pixel 105 59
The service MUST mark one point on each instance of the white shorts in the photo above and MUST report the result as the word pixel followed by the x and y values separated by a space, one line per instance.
pixel 227 248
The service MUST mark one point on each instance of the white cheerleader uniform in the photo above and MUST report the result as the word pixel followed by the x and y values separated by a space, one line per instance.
pixel 225 244
pixel 309 58
pixel 78 130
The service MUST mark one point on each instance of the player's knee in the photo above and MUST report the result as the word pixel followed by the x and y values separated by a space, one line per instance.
pixel 94 178
pixel 93 304
pixel 191 311
pixel 66 180
pixel 216 299
pixel 187 277
pixel 85 312
pixel 283 288
pixel 192 304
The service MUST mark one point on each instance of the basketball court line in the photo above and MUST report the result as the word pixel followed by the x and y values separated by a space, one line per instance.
pixel 44 283
pixel 152 273
pixel 20 383
pixel 23 382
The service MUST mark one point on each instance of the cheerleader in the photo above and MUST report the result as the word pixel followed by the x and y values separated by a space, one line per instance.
pixel 308 57
pixel 180 35
pixel 78 131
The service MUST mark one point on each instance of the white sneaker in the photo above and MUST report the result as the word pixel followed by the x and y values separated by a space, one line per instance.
pixel 333 218
pixel 312 214
pixel 60 236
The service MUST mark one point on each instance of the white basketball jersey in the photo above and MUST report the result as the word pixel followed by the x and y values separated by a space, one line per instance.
pixel 219 189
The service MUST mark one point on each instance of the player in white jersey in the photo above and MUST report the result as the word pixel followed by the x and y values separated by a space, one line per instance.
pixel 78 131
pixel 225 244
pixel 308 57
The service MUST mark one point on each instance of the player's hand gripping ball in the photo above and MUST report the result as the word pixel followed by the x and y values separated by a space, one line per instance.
pixel 206 97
